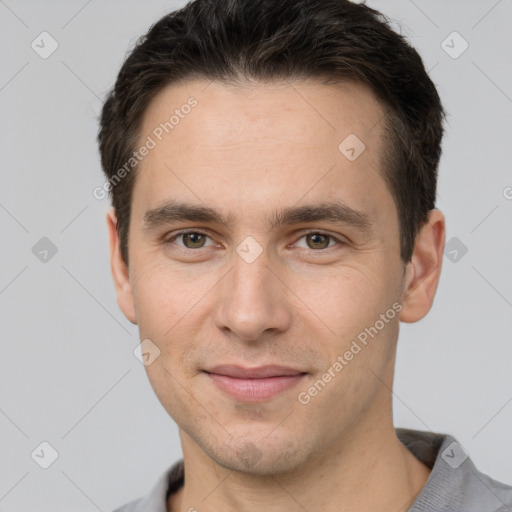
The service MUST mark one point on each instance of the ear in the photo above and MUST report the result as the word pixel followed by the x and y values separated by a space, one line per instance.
pixel 424 269
pixel 119 270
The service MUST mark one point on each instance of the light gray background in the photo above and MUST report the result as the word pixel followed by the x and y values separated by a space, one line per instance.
pixel 67 369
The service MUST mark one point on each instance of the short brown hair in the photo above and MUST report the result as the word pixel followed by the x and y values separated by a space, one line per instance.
pixel 272 40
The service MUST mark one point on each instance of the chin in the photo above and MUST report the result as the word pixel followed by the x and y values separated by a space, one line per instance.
pixel 261 458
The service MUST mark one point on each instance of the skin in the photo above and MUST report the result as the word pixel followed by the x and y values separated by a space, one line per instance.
pixel 249 151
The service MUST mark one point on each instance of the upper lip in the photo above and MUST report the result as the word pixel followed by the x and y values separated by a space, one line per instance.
pixel 259 372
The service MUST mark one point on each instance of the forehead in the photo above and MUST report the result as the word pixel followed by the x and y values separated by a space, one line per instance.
pixel 300 111
pixel 262 143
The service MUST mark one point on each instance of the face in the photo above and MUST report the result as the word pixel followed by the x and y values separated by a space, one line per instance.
pixel 257 241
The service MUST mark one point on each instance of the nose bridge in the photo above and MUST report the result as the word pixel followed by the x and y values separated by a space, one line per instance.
pixel 250 280
pixel 252 300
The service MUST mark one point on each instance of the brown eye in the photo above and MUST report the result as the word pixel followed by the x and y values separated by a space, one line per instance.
pixel 193 240
pixel 317 241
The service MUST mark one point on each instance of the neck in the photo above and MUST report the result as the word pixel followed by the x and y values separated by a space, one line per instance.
pixel 368 470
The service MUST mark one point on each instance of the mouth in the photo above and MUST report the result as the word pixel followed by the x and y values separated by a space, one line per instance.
pixel 254 384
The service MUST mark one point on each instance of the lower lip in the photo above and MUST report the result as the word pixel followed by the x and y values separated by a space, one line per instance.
pixel 255 390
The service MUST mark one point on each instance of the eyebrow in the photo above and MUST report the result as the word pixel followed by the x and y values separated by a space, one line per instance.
pixel 333 212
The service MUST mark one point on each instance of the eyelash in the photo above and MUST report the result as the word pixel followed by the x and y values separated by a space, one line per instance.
pixel 185 232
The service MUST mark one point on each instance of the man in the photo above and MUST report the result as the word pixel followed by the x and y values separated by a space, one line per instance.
pixel 273 168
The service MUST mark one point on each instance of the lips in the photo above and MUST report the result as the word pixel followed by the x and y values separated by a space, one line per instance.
pixel 254 384
pixel 260 372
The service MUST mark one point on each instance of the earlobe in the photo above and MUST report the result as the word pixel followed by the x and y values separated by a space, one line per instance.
pixel 424 269
pixel 119 270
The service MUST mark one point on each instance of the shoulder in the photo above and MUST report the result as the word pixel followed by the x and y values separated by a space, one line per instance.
pixel 475 486
pixel 454 483
pixel 156 499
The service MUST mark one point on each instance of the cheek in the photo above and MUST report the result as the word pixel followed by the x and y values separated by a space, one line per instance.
pixel 162 296
pixel 170 311
pixel 349 299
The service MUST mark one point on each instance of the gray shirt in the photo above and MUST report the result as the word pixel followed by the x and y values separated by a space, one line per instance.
pixel 453 485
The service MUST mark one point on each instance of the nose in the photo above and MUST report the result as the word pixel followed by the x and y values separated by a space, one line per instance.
pixel 252 301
